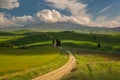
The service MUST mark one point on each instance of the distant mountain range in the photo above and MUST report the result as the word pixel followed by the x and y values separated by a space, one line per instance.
pixel 62 26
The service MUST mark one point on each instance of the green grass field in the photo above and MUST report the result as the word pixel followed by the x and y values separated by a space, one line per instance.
pixel 39 57
pixel 24 64
pixel 95 66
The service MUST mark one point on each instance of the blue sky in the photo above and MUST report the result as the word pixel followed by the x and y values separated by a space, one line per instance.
pixel 30 7
pixel 95 10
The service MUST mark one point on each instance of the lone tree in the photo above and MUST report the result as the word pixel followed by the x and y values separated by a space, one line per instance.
pixel 58 42
pixel 99 45
pixel 94 37
pixel 53 42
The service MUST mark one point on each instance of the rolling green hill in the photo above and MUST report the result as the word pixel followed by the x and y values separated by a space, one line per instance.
pixel 109 43
pixel 34 50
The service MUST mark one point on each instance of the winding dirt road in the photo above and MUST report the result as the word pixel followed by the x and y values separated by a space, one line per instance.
pixel 61 72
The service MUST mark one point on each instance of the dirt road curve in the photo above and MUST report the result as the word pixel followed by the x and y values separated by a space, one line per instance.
pixel 61 72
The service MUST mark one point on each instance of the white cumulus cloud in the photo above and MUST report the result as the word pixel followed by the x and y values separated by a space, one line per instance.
pixel 22 20
pixel 77 9
pixel 7 20
pixel 4 21
pixel 103 21
pixel 48 15
pixel 53 16
pixel 79 13
pixel 9 4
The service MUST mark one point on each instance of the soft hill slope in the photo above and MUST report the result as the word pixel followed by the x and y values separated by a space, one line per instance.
pixel 109 43
pixel 40 37
pixel 115 39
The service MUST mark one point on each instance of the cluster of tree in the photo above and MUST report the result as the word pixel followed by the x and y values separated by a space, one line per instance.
pixel 94 38
pixel 56 43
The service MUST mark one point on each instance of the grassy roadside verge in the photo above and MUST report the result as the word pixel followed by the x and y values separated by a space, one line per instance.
pixel 20 64
pixel 94 66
